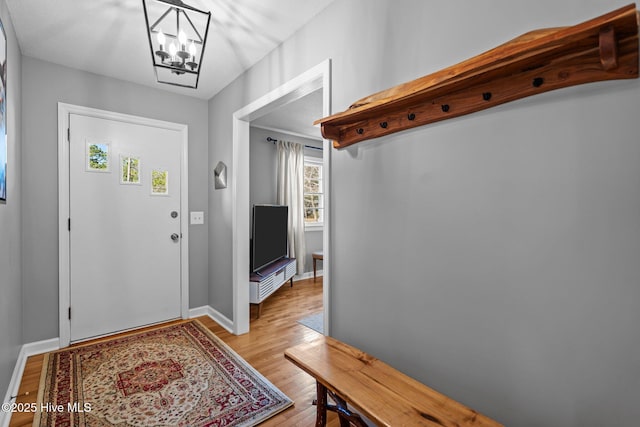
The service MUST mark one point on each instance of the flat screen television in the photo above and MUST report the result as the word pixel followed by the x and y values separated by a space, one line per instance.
pixel 269 231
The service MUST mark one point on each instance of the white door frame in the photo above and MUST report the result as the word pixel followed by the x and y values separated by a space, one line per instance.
pixel 318 77
pixel 64 284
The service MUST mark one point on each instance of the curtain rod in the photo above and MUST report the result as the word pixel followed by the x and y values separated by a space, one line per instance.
pixel 305 146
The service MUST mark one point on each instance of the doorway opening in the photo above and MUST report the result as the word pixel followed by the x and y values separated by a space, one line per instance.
pixel 313 80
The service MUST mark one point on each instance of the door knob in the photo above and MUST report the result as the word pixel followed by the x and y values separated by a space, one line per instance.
pixel 175 237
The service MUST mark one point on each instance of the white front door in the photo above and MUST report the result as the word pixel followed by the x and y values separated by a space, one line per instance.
pixel 125 216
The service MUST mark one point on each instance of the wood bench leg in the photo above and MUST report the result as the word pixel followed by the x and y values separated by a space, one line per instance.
pixel 346 416
pixel 321 402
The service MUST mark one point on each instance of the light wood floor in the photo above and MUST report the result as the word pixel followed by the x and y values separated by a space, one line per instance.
pixel 263 347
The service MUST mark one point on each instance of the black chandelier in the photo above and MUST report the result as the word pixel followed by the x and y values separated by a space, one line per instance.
pixel 177 35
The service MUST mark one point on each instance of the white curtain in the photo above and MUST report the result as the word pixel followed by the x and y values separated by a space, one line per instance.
pixel 290 184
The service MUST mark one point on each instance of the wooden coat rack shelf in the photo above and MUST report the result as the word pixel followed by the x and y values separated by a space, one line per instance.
pixel 604 48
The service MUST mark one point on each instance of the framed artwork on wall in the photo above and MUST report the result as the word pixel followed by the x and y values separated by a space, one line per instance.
pixel 3 115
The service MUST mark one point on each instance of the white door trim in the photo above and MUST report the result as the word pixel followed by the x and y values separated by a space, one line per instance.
pixel 310 81
pixel 64 110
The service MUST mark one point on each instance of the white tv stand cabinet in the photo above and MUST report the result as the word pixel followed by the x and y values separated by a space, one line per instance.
pixel 266 281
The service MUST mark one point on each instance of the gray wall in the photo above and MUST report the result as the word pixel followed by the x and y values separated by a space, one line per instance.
pixel 44 85
pixel 10 216
pixel 263 162
pixel 493 256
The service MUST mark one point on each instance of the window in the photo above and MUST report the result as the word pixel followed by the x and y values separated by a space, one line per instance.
pixel 130 170
pixel 97 157
pixel 159 182
pixel 313 197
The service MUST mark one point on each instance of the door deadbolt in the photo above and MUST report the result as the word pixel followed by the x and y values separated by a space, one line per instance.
pixel 175 237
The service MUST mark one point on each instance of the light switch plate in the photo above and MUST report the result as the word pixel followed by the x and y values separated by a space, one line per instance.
pixel 197 218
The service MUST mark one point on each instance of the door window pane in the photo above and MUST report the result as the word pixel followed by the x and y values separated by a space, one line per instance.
pixel 130 170
pixel 159 182
pixel 98 157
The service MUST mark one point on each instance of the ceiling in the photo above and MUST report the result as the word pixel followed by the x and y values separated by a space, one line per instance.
pixel 296 117
pixel 108 37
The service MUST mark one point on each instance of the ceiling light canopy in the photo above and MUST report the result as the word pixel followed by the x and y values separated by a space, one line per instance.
pixel 177 35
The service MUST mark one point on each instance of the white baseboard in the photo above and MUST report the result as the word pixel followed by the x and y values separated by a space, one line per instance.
pixel 214 314
pixel 29 349
pixel 199 311
pixel 307 275
pixel 39 347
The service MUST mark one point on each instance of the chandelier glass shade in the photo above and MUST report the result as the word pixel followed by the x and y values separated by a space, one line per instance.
pixel 177 36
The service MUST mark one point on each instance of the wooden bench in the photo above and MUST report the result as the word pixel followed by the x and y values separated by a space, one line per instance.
pixel 376 390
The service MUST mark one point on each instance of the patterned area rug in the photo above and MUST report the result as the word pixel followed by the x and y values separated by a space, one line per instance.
pixel 180 375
